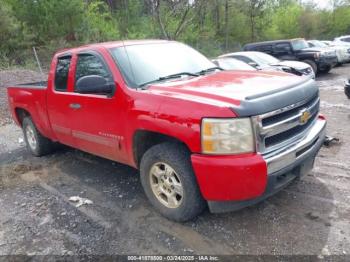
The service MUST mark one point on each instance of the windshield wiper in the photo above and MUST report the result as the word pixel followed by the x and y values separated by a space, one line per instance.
pixel 203 72
pixel 163 78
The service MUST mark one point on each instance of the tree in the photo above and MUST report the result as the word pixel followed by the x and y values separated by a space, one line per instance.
pixel 99 24
pixel 173 17
pixel 49 19
pixel 256 9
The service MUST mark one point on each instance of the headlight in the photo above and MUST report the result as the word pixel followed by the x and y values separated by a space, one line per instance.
pixel 227 136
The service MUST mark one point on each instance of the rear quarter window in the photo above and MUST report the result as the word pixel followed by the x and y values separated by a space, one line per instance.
pixel 265 48
pixel 283 48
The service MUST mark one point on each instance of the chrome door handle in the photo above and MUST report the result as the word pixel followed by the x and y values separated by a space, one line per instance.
pixel 75 106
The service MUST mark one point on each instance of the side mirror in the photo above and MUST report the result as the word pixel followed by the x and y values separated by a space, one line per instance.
pixel 94 84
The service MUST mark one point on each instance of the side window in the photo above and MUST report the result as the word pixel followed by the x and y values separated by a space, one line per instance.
pixel 346 39
pixel 89 64
pixel 283 48
pixel 61 74
pixel 265 49
pixel 244 59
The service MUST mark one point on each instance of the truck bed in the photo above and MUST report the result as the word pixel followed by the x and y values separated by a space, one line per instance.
pixel 27 97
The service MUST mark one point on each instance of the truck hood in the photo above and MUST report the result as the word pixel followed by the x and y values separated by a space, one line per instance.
pixel 324 51
pixel 247 92
pixel 312 49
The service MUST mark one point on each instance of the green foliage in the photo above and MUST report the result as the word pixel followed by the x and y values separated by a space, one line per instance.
pixel 49 19
pixel 341 21
pixel 213 27
pixel 98 23
pixel 285 22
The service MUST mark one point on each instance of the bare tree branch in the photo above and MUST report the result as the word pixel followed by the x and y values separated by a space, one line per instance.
pixel 159 18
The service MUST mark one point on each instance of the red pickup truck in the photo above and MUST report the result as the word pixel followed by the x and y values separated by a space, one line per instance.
pixel 200 136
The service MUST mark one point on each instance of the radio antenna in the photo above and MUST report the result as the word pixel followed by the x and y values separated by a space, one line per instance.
pixel 130 65
pixel 38 61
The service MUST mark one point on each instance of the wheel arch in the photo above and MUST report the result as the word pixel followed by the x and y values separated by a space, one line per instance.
pixel 20 114
pixel 145 139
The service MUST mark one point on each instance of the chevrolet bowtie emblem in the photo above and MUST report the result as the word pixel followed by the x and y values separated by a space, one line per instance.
pixel 305 116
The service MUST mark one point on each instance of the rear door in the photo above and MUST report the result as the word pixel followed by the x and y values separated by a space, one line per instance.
pixel 284 51
pixel 96 120
pixel 59 99
pixel 265 49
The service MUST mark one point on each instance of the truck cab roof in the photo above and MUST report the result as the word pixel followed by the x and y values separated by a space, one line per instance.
pixel 111 44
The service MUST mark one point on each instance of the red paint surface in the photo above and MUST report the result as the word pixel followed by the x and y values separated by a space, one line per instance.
pixel 106 126
pixel 240 177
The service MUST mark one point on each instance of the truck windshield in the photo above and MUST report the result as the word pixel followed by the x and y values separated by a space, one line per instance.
pixel 299 44
pixel 146 63
pixel 318 44
pixel 263 59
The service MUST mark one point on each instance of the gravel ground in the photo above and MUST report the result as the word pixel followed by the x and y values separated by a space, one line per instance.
pixel 310 217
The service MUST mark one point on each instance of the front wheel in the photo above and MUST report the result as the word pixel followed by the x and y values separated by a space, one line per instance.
pixel 347 89
pixel 326 70
pixel 36 142
pixel 169 182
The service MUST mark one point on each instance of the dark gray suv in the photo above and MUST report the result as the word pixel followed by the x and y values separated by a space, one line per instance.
pixel 320 59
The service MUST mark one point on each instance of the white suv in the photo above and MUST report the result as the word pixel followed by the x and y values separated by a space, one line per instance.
pixel 343 39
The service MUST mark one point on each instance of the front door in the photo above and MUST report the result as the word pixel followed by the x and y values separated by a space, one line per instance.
pixel 96 118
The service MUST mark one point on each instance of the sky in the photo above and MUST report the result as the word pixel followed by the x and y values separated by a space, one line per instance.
pixel 322 3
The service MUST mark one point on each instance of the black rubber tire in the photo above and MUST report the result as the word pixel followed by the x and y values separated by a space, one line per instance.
pixel 313 65
pixel 326 70
pixel 178 157
pixel 347 89
pixel 44 145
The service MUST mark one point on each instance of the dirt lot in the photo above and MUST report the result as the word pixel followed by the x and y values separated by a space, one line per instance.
pixel 311 216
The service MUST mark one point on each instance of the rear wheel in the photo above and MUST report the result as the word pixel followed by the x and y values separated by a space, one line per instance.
pixel 312 64
pixel 169 182
pixel 37 144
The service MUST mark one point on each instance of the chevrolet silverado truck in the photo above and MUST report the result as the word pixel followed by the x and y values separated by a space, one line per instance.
pixel 201 137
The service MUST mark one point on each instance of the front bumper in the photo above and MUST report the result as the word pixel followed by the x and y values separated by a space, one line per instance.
pixel 229 183
pixel 326 62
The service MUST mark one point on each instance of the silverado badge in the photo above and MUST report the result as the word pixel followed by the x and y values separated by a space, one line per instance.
pixel 305 116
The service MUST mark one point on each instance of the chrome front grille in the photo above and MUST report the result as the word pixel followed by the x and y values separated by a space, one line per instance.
pixel 285 126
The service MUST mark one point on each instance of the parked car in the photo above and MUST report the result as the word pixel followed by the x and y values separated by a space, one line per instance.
pixel 297 49
pixel 228 63
pixel 343 56
pixel 343 39
pixel 338 45
pixel 199 136
pixel 347 89
pixel 264 61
